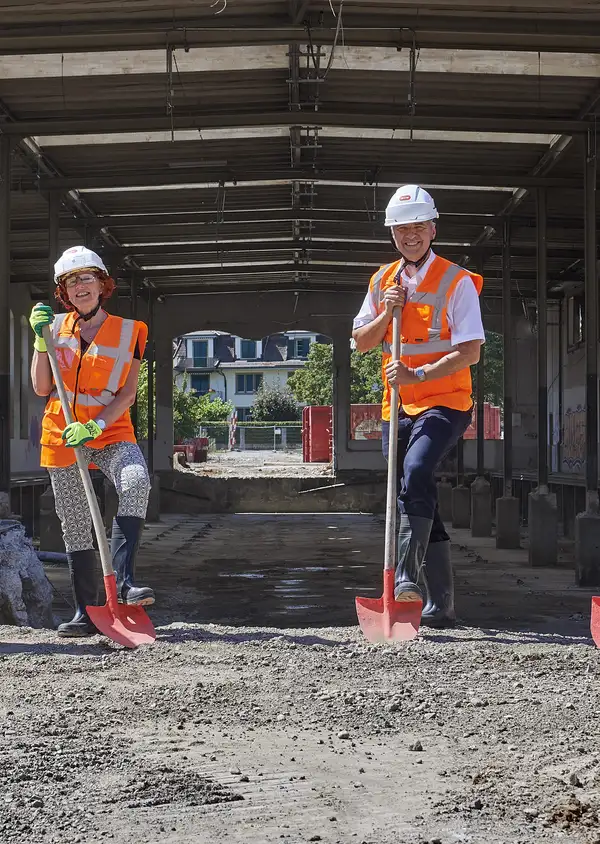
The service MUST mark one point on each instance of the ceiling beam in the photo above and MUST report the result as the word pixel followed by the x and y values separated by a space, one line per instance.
pixel 473 32
pixel 228 119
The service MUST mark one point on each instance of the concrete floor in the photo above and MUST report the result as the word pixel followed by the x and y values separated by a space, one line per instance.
pixel 304 570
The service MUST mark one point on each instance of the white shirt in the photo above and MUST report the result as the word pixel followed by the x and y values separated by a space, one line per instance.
pixel 464 312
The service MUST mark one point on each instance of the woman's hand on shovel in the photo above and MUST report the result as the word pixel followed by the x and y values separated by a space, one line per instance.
pixel 78 434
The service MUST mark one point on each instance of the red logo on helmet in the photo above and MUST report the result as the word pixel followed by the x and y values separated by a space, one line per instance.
pixel 404 198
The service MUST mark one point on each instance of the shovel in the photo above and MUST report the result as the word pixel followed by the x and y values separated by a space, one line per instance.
pixel 385 619
pixel 595 620
pixel 126 625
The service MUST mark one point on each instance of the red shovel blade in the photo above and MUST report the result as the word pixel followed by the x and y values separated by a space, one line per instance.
pixel 595 620
pixel 386 620
pixel 127 625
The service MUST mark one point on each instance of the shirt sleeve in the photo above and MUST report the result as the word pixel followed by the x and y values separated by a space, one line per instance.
pixel 367 313
pixel 464 313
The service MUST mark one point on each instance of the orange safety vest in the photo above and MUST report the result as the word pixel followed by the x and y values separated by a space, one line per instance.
pixel 92 380
pixel 425 337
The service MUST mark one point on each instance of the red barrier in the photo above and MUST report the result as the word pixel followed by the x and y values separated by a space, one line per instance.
pixel 491 423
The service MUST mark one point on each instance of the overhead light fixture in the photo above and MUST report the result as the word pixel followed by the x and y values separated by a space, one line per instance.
pixel 190 165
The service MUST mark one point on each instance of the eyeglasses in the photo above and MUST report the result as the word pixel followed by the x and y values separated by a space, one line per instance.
pixel 84 278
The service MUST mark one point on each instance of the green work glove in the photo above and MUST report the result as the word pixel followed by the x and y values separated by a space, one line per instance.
pixel 41 315
pixel 77 433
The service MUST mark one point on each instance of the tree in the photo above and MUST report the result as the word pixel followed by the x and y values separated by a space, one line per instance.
pixel 190 410
pixel 493 368
pixel 313 384
pixel 275 404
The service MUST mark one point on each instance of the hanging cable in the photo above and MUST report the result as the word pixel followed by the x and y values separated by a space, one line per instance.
pixel 412 101
pixel 170 91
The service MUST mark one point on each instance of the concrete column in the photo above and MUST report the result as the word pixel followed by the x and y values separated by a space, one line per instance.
pixel 461 500
pixel 587 524
pixel 341 400
pixel 542 509
pixel 507 507
pixel 163 450
pixel 5 395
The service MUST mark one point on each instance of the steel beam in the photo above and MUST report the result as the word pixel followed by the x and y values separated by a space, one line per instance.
pixel 508 358
pixel 542 340
pixel 151 383
pixel 53 243
pixel 591 325
pixel 233 119
pixel 473 32
pixel 5 393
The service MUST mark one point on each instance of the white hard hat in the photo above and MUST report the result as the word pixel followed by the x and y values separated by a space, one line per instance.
pixel 77 258
pixel 410 204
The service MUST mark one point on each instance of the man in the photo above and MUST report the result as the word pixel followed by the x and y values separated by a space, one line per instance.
pixel 441 335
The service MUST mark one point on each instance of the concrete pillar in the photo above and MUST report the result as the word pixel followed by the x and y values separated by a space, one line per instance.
pixel 508 531
pixel 542 510
pixel 481 507
pixel 444 491
pixel 341 399
pixel 587 525
pixel 153 511
pixel 507 507
pixel 543 528
pixel 5 392
pixel 163 449
pixel 461 507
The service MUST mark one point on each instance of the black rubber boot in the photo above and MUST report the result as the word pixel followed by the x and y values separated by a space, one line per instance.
pixel 126 534
pixel 439 610
pixel 84 582
pixel 413 538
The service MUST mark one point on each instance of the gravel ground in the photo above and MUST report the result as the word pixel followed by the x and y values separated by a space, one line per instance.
pixel 261 714
pixel 248 734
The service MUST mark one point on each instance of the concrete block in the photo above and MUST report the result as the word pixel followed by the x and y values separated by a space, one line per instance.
pixel 587 549
pixel 51 538
pixel 444 491
pixel 153 511
pixel 461 507
pixel 543 529
pixel 25 593
pixel 508 530
pixel 481 508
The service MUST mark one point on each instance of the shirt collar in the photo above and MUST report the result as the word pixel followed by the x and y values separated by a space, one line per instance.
pixel 420 274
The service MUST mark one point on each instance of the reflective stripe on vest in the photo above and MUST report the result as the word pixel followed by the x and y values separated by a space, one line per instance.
pixel 120 353
pixel 85 399
pixel 434 344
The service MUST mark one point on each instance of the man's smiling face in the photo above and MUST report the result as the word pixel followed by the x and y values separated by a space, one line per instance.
pixel 414 239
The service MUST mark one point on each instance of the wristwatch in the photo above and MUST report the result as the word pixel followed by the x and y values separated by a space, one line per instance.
pixel 420 373
pixel 101 424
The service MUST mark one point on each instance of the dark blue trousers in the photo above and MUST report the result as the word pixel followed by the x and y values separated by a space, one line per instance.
pixel 423 441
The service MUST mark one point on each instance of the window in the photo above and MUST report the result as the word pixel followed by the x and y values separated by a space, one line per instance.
pixel 248 349
pixel 248 383
pixel 301 347
pixel 575 322
pixel 200 384
pixel 200 352
pixel 244 414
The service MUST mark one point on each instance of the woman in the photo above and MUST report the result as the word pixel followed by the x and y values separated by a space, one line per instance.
pixel 99 356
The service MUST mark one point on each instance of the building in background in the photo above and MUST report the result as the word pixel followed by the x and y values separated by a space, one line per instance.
pixel 234 368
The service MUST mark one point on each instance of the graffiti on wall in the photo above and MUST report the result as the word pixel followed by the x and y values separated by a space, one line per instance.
pixel 573 444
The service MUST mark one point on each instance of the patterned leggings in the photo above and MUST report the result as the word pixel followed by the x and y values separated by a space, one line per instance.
pixel 123 463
